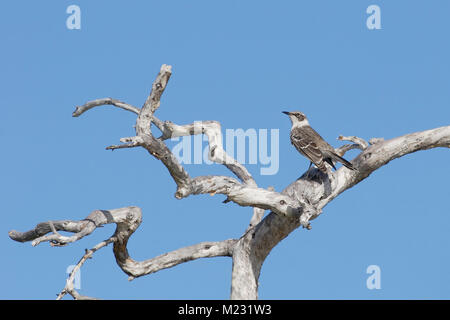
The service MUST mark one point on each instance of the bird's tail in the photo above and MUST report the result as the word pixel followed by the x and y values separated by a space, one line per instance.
pixel 347 164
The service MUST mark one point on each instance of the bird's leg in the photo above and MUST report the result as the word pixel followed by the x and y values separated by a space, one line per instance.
pixel 309 168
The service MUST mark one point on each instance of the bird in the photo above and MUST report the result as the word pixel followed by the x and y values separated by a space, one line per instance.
pixel 310 144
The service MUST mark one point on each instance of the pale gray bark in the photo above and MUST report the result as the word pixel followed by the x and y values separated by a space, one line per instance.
pixel 299 203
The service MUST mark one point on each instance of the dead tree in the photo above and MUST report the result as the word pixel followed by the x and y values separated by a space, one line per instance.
pixel 299 203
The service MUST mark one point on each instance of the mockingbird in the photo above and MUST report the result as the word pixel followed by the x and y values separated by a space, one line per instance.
pixel 310 144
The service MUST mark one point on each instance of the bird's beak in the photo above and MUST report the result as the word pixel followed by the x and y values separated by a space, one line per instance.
pixel 286 112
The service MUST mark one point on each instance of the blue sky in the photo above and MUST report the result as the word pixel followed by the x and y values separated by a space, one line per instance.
pixel 241 63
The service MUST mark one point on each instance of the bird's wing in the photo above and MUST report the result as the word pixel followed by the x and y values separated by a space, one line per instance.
pixel 303 142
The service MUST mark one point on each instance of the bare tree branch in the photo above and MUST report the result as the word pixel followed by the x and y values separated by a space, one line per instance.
pixel 80 228
pixel 69 287
pixel 79 110
pixel 153 101
pixel 167 260
pixel 213 131
pixel 129 142
pixel 361 143
pixel 127 220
